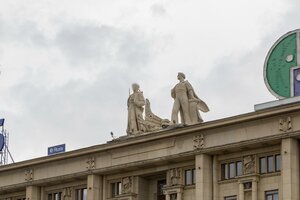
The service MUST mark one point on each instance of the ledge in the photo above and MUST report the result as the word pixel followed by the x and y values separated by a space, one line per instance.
pixel 165 133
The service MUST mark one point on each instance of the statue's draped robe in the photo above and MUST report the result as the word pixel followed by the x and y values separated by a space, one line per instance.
pixel 135 104
pixel 195 104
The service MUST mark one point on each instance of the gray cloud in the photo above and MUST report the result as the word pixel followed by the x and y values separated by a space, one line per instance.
pixel 82 112
pixel 158 10
pixel 24 32
pixel 75 112
pixel 88 44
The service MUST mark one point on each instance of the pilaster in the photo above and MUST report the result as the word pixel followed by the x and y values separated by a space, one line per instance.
pixel 290 169
pixel 204 177
pixel 94 187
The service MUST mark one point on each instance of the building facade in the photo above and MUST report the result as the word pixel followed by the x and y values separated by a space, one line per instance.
pixel 253 156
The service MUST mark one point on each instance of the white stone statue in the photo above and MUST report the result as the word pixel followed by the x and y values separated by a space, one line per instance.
pixel 187 103
pixel 135 103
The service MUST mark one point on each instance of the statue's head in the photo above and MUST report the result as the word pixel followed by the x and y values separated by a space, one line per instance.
pixel 181 76
pixel 135 87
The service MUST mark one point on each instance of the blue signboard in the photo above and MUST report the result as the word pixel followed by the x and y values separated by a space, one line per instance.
pixel 2 140
pixel 56 149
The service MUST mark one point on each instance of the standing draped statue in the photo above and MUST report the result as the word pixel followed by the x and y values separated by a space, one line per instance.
pixel 135 104
pixel 187 103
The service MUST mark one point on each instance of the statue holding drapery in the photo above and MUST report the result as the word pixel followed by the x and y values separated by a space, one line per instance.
pixel 186 102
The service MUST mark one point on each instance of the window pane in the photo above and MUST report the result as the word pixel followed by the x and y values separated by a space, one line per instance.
pixel 231 170
pixel 278 162
pixel 84 194
pixel 262 165
pixel 239 168
pixel 271 164
pixel 224 171
pixel 160 192
pixel 272 195
pixel 194 176
pixel 119 188
pixel 113 189
pixel 188 177
pixel 78 195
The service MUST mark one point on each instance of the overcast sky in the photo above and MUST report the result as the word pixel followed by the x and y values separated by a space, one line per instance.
pixel 66 66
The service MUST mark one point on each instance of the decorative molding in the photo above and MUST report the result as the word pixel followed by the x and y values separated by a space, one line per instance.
pixel 285 124
pixel 29 175
pixel 126 185
pixel 169 190
pixel 91 163
pixel 249 164
pixel 67 192
pixel 175 176
pixel 199 142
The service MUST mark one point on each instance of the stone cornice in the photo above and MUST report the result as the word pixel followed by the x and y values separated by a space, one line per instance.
pixel 290 108
pixel 108 170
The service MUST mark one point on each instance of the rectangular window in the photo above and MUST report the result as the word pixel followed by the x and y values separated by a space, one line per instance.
pixel 239 168
pixel 231 170
pixel 270 164
pixel 230 198
pixel 262 165
pixel 81 194
pixel 278 163
pixel 188 177
pixel 272 195
pixel 224 171
pixel 116 189
pixel 160 192
pixel 55 196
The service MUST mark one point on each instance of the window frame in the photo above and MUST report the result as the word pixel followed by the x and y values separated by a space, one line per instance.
pixel 52 193
pixel 160 183
pixel 233 170
pixel 81 189
pixel 193 176
pixel 267 169
pixel 225 169
pixel 236 171
pixel 271 193
pixel 280 162
pixel 271 167
pixel 116 188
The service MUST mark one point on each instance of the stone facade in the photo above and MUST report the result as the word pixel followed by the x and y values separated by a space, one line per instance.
pixel 244 157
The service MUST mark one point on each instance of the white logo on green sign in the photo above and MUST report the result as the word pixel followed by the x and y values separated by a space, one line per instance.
pixel 282 66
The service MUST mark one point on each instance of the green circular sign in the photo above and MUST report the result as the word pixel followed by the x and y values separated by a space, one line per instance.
pixel 281 69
